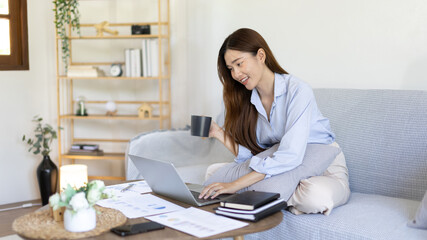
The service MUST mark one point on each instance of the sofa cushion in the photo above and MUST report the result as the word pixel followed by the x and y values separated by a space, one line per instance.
pixel 420 220
pixel 178 147
pixel 193 173
pixel 383 135
pixel 365 216
pixel 316 160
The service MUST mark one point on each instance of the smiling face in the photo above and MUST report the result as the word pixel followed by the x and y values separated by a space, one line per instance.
pixel 245 67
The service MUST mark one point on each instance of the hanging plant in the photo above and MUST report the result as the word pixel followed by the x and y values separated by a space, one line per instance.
pixel 66 13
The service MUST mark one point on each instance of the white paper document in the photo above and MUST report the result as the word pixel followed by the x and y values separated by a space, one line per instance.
pixel 197 222
pixel 134 188
pixel 135 206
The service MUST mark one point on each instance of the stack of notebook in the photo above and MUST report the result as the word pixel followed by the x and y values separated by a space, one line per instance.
pixel 85 149
pixel 251 205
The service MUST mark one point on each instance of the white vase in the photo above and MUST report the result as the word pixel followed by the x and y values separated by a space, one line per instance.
pixel 80 221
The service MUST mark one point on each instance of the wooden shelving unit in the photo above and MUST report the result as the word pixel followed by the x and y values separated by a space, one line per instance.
pixel 111 78
pixel 106 156
pixel 117 117
pixel 118 37
pixel 67 120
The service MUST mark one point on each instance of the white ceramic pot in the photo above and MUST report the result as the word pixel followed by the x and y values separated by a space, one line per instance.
pixel 80 221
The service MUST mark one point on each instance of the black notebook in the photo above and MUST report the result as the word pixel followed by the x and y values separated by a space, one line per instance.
pixel 254 215
pixel 249 200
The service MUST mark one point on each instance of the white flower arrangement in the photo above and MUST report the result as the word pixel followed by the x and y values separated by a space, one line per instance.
pixel 77 199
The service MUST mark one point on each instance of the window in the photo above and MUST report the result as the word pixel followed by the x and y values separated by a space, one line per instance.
pixel 13 35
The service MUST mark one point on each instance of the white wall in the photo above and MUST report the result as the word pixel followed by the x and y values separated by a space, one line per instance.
pixel 331 43
pixel 24 94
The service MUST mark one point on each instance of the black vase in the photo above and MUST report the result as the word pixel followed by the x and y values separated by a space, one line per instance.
pixel 47 175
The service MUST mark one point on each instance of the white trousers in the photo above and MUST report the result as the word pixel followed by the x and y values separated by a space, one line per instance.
pixel 318 194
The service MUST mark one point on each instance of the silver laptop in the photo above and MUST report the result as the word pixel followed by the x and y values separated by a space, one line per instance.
pixel 164 180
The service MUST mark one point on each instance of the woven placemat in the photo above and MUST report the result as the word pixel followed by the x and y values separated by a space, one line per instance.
pixel 41 225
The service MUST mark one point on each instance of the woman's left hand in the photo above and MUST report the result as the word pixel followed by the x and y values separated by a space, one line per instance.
pixel 216 189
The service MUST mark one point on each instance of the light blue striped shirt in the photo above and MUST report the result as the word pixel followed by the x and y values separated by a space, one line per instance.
pixel 295 121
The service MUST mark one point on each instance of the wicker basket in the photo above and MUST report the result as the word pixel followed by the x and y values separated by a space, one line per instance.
pixel 41 225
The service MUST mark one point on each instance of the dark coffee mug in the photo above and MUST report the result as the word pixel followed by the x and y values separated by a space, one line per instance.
pixel 200 125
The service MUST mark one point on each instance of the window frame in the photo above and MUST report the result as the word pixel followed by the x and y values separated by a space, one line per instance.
pixel 18 59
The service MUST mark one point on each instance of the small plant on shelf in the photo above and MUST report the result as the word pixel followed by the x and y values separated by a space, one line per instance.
pixel 66 13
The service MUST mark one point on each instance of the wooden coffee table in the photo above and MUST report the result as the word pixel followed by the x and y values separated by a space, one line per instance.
pixel 170 233
pixel 7 218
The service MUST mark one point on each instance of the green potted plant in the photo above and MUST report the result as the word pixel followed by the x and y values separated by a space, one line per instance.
pixel 66 13
pixel 47 172
pixel 80 214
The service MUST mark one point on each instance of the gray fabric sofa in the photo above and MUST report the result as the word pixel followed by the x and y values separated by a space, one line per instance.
pixel 383 134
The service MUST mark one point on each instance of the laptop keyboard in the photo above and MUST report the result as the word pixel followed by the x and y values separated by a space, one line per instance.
pixel 201 200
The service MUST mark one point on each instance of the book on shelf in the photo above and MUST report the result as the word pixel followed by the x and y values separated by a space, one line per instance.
pixel 97 152
pixel 253 215
pixel 143 61
pixel 154 50
pixel 84 146
pixel 135 62
pixel 249 200
pixel 80 67
pixel 128 62
pixel 84 71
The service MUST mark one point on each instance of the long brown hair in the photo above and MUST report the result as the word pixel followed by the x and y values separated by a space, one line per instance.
pixel 241 116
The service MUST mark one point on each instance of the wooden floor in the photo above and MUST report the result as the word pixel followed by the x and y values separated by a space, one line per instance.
pixel 7 217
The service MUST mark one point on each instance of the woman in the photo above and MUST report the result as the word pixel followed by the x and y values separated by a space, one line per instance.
pixel 273 113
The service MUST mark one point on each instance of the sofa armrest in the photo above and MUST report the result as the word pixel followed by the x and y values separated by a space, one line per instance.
pixel 176 146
